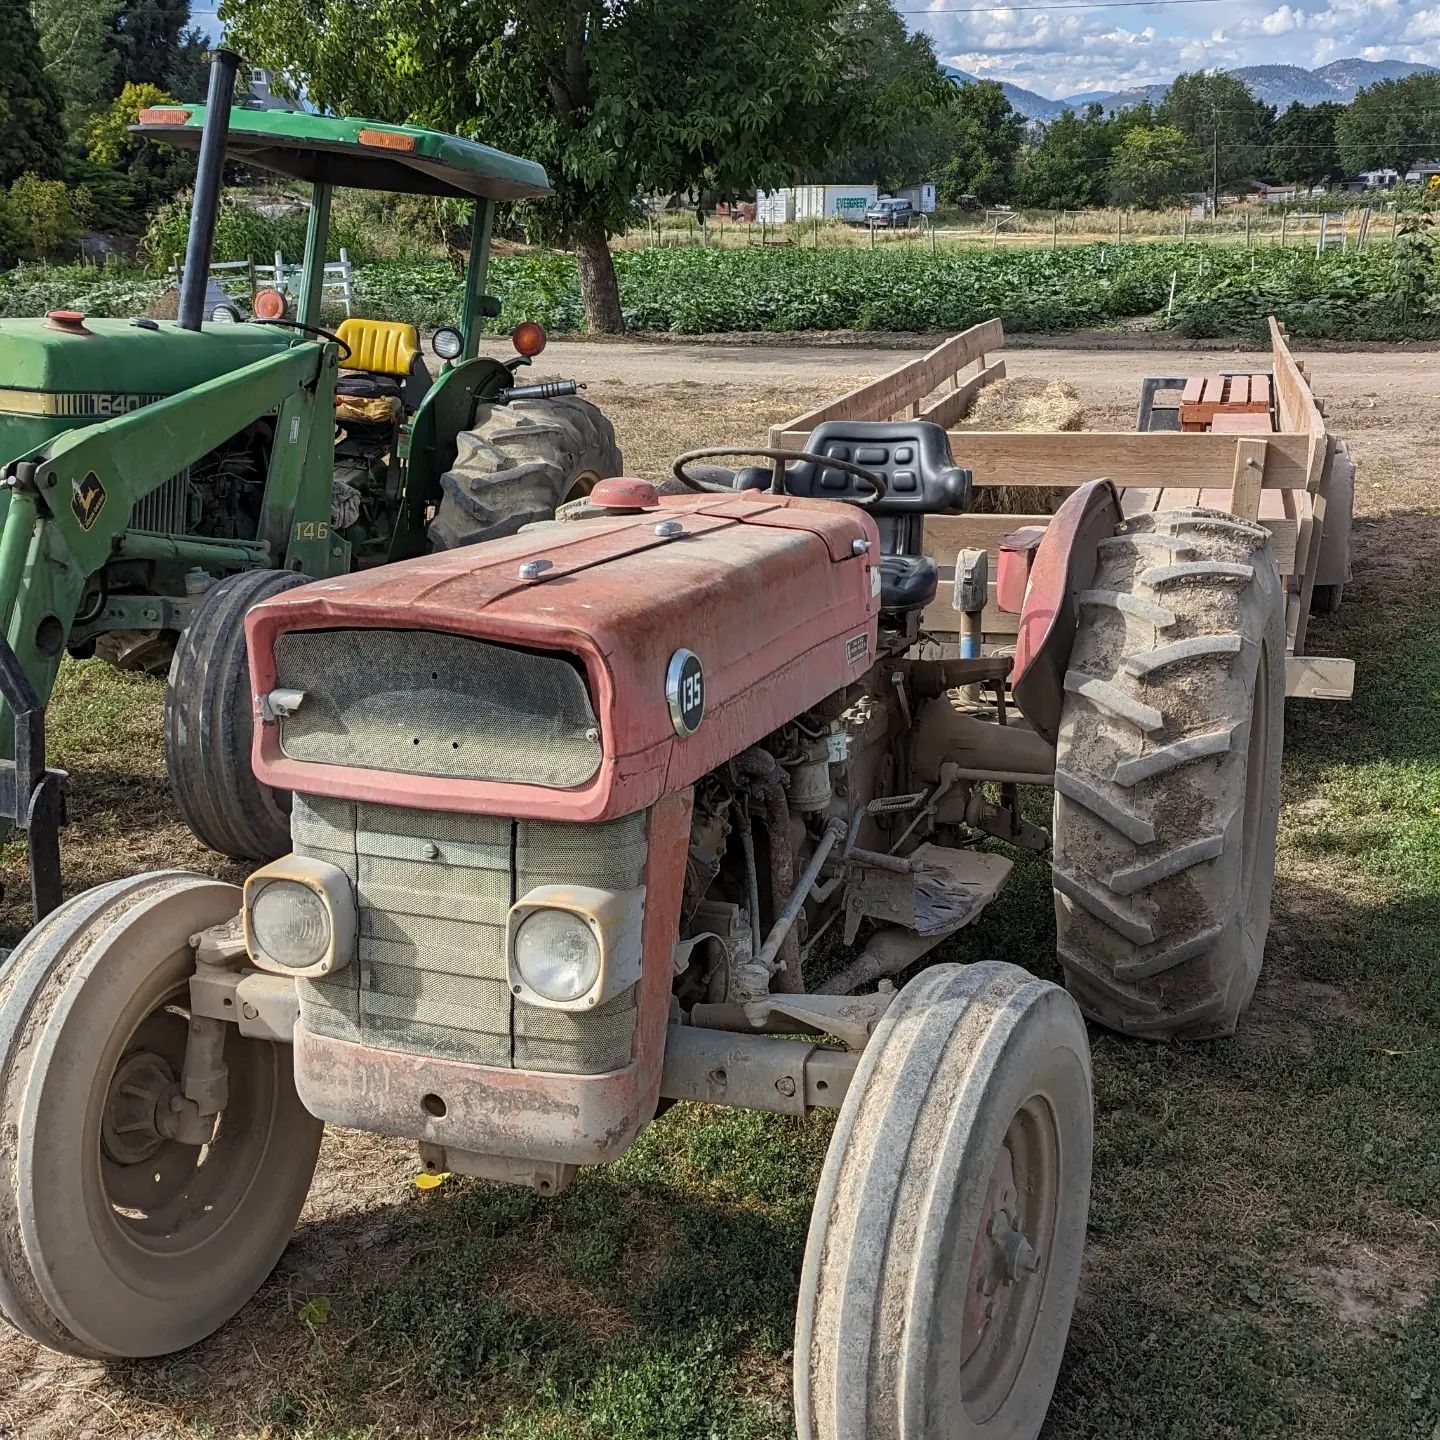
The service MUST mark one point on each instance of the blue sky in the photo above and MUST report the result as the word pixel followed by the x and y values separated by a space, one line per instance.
pixel 1064 51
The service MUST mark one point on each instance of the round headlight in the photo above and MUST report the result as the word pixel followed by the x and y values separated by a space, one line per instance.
pixel 557 955
pixel 447 343
pixel 223 315
pixel 290 924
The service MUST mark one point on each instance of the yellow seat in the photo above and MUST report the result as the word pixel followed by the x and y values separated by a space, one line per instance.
pixel 382 347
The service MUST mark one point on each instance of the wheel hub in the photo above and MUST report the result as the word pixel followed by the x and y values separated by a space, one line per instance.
pixel 1002 1256
pixel 129 1129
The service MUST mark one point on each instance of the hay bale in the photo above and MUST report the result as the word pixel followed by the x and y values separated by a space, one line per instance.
pixel 1034 406
pixel 1026 403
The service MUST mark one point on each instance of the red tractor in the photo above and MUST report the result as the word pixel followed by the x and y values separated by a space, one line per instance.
pixel 613 813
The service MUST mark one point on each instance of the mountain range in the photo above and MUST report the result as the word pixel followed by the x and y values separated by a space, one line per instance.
pixel 1276 85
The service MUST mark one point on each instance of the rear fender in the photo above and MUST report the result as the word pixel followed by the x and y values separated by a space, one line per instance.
pixel 1064 565
pixel 448 409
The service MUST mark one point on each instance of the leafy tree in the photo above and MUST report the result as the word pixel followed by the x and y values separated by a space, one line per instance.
pixel 47 214
pixel 1152 166
pixel 155 44
pixel 76 36
pixel 1067 169
pixel 1390 125
pixel 986 135
pixel 31 137
pixel 617 98
pixel 1222 121
pixel 905 90
pixel 1303 149
pixel 107 137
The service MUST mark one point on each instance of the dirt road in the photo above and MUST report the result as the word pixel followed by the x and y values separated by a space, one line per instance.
pixel 1408 380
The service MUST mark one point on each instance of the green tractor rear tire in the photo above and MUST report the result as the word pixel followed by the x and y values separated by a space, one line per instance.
pixel 209 724
pixel 518 464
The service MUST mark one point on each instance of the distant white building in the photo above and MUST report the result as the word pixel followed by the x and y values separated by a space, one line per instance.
pixel 833 202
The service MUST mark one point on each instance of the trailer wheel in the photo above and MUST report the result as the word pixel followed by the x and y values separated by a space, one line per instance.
pixel 519 464
pixel 1167 775
pixel 114 1240
pixel 209 725
pixel 944 1251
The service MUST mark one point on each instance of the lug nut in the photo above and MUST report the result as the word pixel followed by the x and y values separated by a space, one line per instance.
pixel 786 1085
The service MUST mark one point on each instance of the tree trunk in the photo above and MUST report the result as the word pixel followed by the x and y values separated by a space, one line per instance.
pixel 598 287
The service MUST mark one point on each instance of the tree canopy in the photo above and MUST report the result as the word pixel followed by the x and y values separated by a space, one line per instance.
pixel 1067 170
pixel 616 99
pixel 985 141
pixel 1153 165
pixel 905 93
pixel 1391 125
pixel 1222 121
pixel 1303 149
pixel 31 134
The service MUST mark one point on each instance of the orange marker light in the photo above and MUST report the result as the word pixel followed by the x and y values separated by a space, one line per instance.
pixel 164 117
pixel 387 140
pixel 529 338
pixel 269 305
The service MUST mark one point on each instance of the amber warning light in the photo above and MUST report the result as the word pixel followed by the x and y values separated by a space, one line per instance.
pixel 528 338
pixel 268 305
pixel 387 140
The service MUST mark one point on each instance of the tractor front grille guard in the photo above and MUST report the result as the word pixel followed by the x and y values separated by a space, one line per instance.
pixel 32 796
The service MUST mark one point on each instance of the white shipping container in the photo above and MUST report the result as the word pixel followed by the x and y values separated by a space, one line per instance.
pixel 831 202
pixel 775 208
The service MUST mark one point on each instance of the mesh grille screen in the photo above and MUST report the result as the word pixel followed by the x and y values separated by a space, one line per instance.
pixel 165 511
pixel 434 891
pixel 447 705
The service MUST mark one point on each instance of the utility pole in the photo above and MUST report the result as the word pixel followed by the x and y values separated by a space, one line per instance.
pixel 1215 170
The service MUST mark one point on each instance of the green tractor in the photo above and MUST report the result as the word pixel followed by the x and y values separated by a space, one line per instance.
pixel 161 477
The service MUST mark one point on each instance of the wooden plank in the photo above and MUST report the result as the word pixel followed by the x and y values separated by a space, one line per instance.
pixel 1135 501
pixel 1241 422
pixel 1128 457
pixel 892 392
pixel 1194 389
pixel 1319 677
pixel 1249 477
pixel 954 406
pixel 1310 553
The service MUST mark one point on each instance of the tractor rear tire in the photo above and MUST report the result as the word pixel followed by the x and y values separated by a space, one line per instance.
pixel 1167 775
pixel 518 465
pixel 943 1258
pixel 209 725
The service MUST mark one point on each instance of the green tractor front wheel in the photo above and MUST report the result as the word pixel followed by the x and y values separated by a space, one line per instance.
pixel 209 725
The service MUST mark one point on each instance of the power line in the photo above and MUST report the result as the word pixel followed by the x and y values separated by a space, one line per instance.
pixel 1064 5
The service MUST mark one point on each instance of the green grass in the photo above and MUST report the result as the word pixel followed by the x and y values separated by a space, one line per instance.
pixel 1264 1247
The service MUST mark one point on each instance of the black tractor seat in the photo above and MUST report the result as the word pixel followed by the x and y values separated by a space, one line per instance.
pixel 922 479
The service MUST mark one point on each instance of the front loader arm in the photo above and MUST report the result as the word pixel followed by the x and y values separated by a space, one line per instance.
pixel 70 502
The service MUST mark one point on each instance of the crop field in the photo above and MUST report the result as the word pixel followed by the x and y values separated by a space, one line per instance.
pixel 1197 290
pixel 1264 1250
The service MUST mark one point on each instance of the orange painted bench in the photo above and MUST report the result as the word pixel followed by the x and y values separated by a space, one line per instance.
pixel 1207 396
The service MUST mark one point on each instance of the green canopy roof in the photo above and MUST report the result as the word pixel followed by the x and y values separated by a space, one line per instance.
pixel 358 154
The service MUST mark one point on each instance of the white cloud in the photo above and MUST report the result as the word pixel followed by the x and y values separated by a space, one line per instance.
pixel 1062 53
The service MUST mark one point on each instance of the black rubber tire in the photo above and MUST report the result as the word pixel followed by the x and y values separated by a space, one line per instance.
pixel 209 724
pixel 94 1260
pixel 967 1061
pixel 518 464
pixel 1167 775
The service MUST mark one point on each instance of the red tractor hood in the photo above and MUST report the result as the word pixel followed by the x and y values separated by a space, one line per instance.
pixel 778 598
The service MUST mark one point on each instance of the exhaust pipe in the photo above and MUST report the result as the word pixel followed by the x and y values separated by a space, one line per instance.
pixel 224 65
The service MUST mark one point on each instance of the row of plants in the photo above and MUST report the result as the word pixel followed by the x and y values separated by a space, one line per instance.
pixel 1386 292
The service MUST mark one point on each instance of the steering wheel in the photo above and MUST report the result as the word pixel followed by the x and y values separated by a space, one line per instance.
pixel 329 335
pixel 779 459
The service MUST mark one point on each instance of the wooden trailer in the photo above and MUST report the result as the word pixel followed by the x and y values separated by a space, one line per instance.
pixel 1275 463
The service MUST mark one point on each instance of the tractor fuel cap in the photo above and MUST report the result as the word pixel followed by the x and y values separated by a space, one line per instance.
pixel 621 493
pixel 67 322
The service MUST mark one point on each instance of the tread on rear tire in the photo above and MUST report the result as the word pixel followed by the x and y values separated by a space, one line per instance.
pixel 1167 775
pixel 209 724
pixel 518 464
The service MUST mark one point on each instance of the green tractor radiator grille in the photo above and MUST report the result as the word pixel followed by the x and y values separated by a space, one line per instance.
pixel 434 890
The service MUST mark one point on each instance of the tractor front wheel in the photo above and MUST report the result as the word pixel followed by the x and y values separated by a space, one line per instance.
pixel 944 1251
pixel 117 1239
pixel 210 722
pixel 518 465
